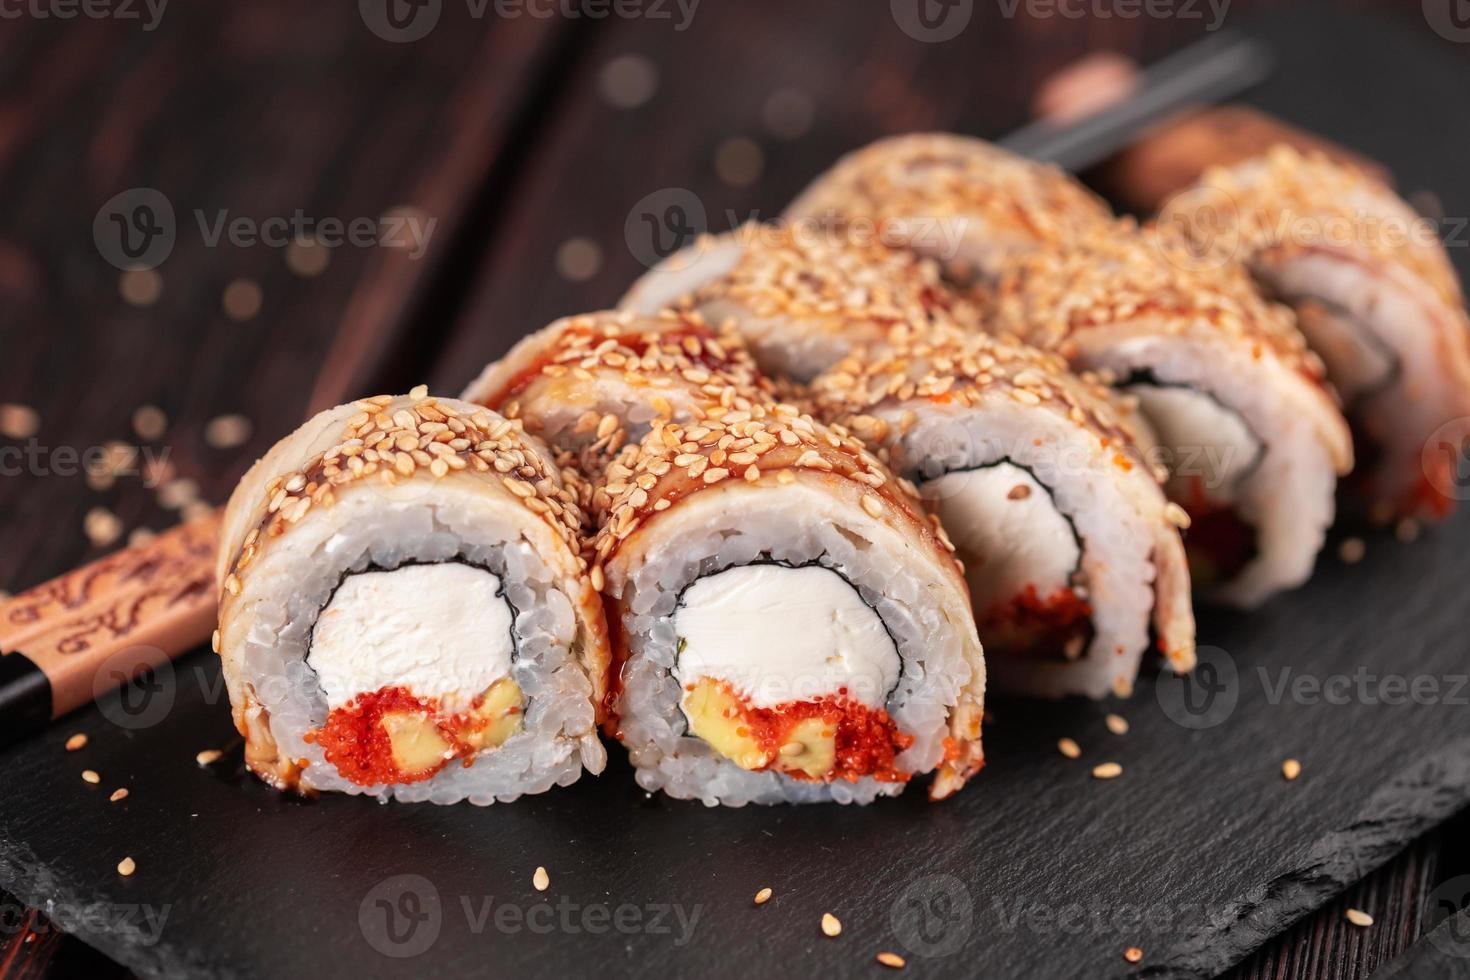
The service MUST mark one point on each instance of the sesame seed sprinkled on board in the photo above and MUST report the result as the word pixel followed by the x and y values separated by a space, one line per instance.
pixel 208 757
pixel 77 741
pixel 1107 770
pixel 1117 724
pixel 1358 918
pixel 541 880
pixel 763 896
pixel 1407 530
pixel 891 960
pixel 1351 550
pixel 126 867
pixel 90 776
pixel 1290 769
pixel 1133 954
pixel 1069 748
pixel 118 795
pixel 831 926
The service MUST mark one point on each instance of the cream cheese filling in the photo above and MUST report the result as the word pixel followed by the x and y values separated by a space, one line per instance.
pixel 442 631
pixel 777 634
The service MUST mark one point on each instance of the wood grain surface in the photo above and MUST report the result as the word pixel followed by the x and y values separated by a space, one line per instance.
pixel 510 134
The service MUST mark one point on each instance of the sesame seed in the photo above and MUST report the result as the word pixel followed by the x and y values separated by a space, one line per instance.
pixel 1176 515
pixel 307 257
pixel 102 526
pixel 1107 770
pixel 541 880
pixel 149 422
pixel 739 162
pixel 1133 954
pixel 831 927
pixel 1351 550
pixel 118 795
pixel 241 299
pixel 1358 918
pixel 208 757
pixel 1019 492
pixel 19 421
pixel 763 896
pixel 77 741
pixel 177 494
pixel 1069 748
pixel 140 536
pixel 126 867
pixel 1291 769
pixel 140 287
pixel 891 960
pixel 227 431
pixel 627 81
pixel 872 505
pixel 1406 530
pixel 90 776
pixel 578 259
pixel 1117 724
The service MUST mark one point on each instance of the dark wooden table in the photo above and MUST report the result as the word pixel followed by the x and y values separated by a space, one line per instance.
pixel 532 143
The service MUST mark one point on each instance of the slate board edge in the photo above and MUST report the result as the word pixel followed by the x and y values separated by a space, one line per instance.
pixel 35 885
pixel 1399 811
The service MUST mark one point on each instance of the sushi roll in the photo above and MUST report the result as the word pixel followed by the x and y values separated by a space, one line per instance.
pixel 1253 439
pixel 1042 480
pixel 788 625
pixel 964 202
pixel 1376 297
pixel 587 384
pixel 801 296
pixel 404 610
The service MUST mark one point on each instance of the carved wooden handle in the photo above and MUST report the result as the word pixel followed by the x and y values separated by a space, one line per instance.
pixel 69 640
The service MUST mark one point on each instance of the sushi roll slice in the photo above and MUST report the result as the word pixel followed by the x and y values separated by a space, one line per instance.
pixel 1042 481
pixel 1376 297
pixel 1253 440
pixel 788 625
pixel 801 296
pixel 968 204
pixel 404 610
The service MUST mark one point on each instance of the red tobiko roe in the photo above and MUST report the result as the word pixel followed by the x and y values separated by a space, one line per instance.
pixel 867 739
pixel 355 742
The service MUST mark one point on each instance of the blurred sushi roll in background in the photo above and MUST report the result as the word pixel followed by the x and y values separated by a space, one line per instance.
pixel 1040 477
pixel 789 625
pixel 1376 296
pixel 404 609
pixel 802 294
pixel 1253 438
pixel 964 202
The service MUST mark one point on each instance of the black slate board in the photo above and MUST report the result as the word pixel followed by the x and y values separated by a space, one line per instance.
pixel 1196 854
